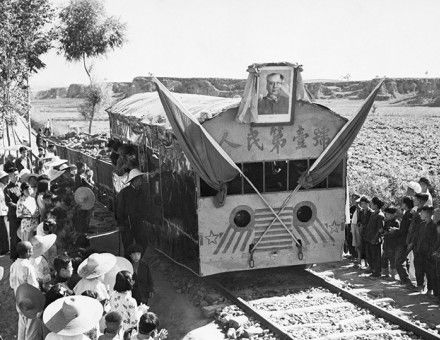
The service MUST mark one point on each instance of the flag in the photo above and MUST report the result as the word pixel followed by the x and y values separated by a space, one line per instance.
pixel 336 150
pixel 207 158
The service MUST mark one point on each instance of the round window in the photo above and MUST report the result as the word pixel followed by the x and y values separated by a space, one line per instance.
pixel 304 213
pixel 242 218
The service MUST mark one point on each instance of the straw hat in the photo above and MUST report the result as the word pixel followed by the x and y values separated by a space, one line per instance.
pixel 54 174
pixel 30 300
pixel 72 315
pixel 96 265
pixel 63 167
pixel 25 177
pixel 42 243
pixel 121 264
pixel 133 174
pixel 85 198
pixel 56 161
pixel 415 186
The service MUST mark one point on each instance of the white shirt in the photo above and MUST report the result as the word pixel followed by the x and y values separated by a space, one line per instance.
pixel 54 336
pixel 22 271
pixel 95 285
pixel 126 306
pixel 41 268
pixel 3 207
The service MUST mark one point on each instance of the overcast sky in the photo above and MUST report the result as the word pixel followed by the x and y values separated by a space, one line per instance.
pixel 206 38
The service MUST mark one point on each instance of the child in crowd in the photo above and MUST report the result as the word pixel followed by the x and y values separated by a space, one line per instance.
pixel 424 242
pixel 435 263
pixel 41 246
pixel 22 271
pixel 63 270
pixel 372 235
pixel 143 281
pixel 391 227
pixel 92 271
pixel 401 235
pixel 28 212
pixel 113 327
pixel 147 329
pixel 121 299
pixel 364 213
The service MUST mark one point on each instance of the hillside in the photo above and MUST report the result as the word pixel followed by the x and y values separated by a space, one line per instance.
pixel 401 91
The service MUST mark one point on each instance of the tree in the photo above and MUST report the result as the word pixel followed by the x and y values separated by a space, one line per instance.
pixel 86 32
pixel 25 35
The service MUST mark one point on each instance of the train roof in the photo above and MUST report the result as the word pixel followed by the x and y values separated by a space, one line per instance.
pixel 146 108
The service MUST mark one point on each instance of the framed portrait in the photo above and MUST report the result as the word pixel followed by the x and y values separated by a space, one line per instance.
pixel 275 87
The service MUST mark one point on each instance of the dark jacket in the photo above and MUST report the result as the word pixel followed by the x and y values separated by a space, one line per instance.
pixel 390 234
pixel 12 194
pixel 425 239
pixel 416 221
pixel 143 282
pixel 374 227
pixel 402 233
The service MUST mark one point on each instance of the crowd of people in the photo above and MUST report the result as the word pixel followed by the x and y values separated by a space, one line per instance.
pixel 63 288
pixel 391 241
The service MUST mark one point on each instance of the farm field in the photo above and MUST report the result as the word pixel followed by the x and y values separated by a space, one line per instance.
pixel 396 144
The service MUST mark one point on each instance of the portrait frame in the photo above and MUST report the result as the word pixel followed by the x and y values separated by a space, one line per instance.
pixel 286 99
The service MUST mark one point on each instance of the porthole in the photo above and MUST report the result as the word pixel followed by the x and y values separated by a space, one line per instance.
pixel 304 214
pixel 242 217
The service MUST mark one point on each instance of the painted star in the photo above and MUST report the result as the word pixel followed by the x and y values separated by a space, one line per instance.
pixel 212 238
pixel 333 228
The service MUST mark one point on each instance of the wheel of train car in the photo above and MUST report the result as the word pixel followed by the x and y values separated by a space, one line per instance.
pixel 242 217
pixel 304 214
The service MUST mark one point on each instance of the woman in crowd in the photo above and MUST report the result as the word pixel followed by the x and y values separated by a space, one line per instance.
pixel 43 187
pixel 121 300
pixel 28 212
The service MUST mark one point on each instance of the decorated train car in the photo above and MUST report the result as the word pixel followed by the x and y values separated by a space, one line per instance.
pixel 273 134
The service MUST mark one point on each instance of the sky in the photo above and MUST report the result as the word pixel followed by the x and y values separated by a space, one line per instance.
pixel 206 38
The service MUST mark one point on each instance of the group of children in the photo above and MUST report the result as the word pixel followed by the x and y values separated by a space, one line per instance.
pixel 387 240
pixel 88 296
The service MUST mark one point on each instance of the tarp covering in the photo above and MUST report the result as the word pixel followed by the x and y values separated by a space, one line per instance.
pixel 207 158
pixel 336 150
pixel 146 108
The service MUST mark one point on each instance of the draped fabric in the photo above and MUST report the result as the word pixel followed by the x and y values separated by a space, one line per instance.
pixel 207 158
pixel 336 150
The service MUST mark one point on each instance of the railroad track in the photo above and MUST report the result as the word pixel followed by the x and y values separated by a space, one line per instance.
pixel 290 303
pixel 302 305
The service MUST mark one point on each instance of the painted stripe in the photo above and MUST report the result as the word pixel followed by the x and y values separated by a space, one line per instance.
pixel 319 233
pixel 303 237
pixel 238 241
pixel 272 216
pixel 229 241
pixel 223 239
pixel 275 209
pixel 273 227
pixel 246 240
pixel 275 244
pixel 272 232
pixel 267 222
pixel 325 230
pixel 271 249
pixel 310 234
pixel 274 238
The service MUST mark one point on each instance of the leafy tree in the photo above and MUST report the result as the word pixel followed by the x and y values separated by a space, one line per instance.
pixel 86 32
pixel 25 34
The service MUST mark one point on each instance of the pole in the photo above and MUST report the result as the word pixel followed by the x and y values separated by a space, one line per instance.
pixel 29 119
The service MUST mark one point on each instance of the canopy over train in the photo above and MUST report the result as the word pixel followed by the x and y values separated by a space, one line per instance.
pixel 227 175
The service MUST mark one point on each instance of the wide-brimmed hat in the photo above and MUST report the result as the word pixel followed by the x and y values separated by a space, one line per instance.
pixel 121 264
pixel 63 167
pixel 85 198
pixel 42 244
pixel 72 315
pixel 54 174
pixel 3 174
pixel 133 174
pixel 25 177
pixel 96 265
pixel 55 161
pixel 415 187
pixel 30 300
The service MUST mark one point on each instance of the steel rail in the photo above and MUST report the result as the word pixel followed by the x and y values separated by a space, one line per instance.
pixel 375 310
